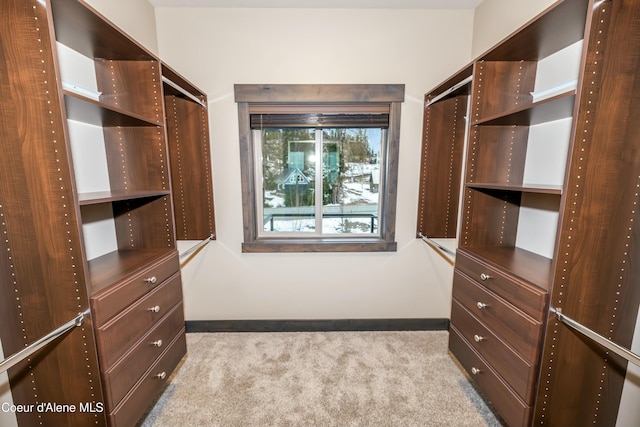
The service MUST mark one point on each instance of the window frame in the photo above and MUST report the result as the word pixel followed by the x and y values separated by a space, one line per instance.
pixel 249 96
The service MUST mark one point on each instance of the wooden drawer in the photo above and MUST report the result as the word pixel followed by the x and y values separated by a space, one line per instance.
pixel 518 373
pixel 120 333
pixel 121 377
pixel 511 408
pixel 513 326
pixel 113 300
pixel 527 297
pixel 137 402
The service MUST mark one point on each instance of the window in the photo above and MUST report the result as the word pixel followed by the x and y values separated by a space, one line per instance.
pixel 319 166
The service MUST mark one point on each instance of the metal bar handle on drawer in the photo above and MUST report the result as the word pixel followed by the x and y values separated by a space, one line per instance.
pixel 608 344
pixel 18 357
pixel 446 251
pixel 197 246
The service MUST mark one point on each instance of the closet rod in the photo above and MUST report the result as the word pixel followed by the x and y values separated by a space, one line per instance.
pixel 445 251
pixel 18 357
pixel 183 91
pixel 197 246
pixel 608 344
pixel 450 90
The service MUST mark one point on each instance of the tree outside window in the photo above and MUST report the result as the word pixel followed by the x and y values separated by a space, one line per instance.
pixel 319 166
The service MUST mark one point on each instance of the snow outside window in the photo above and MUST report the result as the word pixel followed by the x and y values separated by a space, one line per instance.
pixel 319 166
pixel 323 182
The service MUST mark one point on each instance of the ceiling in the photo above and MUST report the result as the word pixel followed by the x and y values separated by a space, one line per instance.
pixel 323 4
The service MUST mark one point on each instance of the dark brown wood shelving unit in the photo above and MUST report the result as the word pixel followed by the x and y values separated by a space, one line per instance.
pixel 117 196
pixel 523 188
pixel 88 214
pixel 554 108
pixel 94 112
pixel 189 150
pixel 527 249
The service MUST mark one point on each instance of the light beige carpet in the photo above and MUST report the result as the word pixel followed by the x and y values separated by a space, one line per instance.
pixel 319 379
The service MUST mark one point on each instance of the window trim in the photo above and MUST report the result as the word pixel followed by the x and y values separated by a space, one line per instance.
pixel 251 96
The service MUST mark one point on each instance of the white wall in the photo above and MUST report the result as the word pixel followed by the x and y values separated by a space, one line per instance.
pixel 135 17
pixel 216 48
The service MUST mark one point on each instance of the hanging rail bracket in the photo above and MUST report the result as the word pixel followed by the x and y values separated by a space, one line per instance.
pixel 197 246
pixel 604 342
pixel 23 354
pixel 451 255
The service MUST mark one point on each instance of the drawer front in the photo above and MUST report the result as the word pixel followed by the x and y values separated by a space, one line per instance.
pixel 136 403
pixel 521 332
pixel 528 298
pixel 127 371
pixel 512 409
pixel 120 333
pixel 518 373
pixel 107 304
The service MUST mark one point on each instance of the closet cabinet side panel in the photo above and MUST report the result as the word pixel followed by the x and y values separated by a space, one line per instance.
pixel 145 223
pixel 133 86
pixel 137 158
pixel 189 151
pixel 489 218
pixel 497 154
pixel 443 137
pixel 42 273
pixel 597 268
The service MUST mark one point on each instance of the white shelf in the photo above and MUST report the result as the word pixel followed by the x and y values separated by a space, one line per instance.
pixel 553 91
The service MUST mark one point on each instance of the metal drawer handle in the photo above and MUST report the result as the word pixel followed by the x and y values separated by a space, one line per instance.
pixel 157 343
pixel 152 279
pixel 162 375
pixel 484 276
pixel 478 338
pixel 481 305
pixel 156 309
pixel 475 371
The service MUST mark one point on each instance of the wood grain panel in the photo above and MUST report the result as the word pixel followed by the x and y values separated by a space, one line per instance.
pixel 42 280
pixel 118 335
pixel 501 86
pixel 134 405
pixel 514 411
pixel 523 288
pixel 513 326
pixel 132 86
pixel 191 175
pixel 490 218
pixel 121 377
pixel 441 167
pixel 497 154
pixel 144 224
pixel 305 93
pixel 137 158
pixel 518 373
pixel 597 270
pixel 144 275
